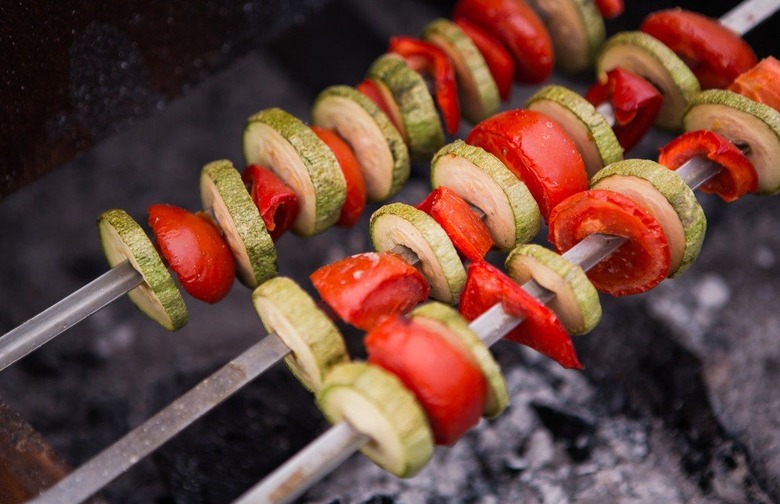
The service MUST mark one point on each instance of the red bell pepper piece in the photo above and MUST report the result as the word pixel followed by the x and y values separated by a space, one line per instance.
pixel 447 383
pixel 635 104
pixel 350 167
pixel 610 9
pixel 761 83
pixel 193 247
pixel 521 31
pixel 275 200
pixel 425 57
pixel 738 175
pixel 541 330
pixel 468 233
pixel 714 53
pixel 364 288
pixel 497 57
pixel 537 150
pixel 639 264
pixel 370 89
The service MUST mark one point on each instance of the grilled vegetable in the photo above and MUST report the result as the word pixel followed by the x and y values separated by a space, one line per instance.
pixel 158 297
pixel 222 190
pixel 761 83
pixel 378 405
pixel 276 202
pixel 279 141
pixel 316 344
pixel 497 57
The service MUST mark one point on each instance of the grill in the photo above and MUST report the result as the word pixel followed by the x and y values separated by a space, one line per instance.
pixel 676 403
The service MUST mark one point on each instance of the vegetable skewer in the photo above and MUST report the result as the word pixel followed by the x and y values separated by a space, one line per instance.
pixel 340 441
pixel 42 328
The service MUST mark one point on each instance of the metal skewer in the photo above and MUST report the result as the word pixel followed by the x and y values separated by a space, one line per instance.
pixel 749 14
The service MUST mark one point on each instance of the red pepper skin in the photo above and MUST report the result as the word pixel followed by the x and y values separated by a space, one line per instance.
pixel 715 54
pixel 521 31
pixel 738 175
pixel 541 330
pixel 448 385
pixel 635 104
pixel 468 233
pixel 426 57
pixel 368 88
pixel 761 83
pixel 350 167
pixel 537 150
pixel 497 57
pixel 639 264
pixel 195 250
pixel 610 9
pixel 276 202
pixel 364 288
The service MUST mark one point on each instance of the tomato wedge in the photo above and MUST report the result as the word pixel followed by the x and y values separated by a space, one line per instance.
pixel 538 152
pixel 364 288
pixel 761 83
pixel 715 54
pixel 521 31
pixel 635 104
pixel 447 383
pixel 738 175
pixel 425 57
pixel 496 56
pixel 193 247
pixel 541 330
pixel 468 233
pixel 350 167
pixel 610 9
pixel 275 200
pixel 639 264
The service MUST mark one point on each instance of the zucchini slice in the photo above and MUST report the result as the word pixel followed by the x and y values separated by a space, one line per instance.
pixel 158 297
pixel 402 224
pixel 376 403
pixel 649 58
pixel 511 213
pixel 422 126
pixel 378 147
pixel 316 344
pixel 576 302
pixel 281 142
pixel 640 179
pixel 577 31
pixel 746 123
pixel 590 131
pixel 448 323
pixel 223 191
pixel 477 90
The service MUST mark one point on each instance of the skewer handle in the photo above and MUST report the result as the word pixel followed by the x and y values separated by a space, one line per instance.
pixel 144 439
pixel 37 331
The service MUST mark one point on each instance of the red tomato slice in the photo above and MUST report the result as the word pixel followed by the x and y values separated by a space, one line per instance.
pixel 715 54
pixel 497 57
pixel 738 175
pixel 537 150
pixel 610 9
pixel 521 31
pixel 635 104
pixel 350 167
pixel 364 288
pixel 639 264
pixel 541 330
pixel 426 57
pixel 761 83
pixel 275 200
pixel 448 385
pixel 194 248
pixel 468 233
